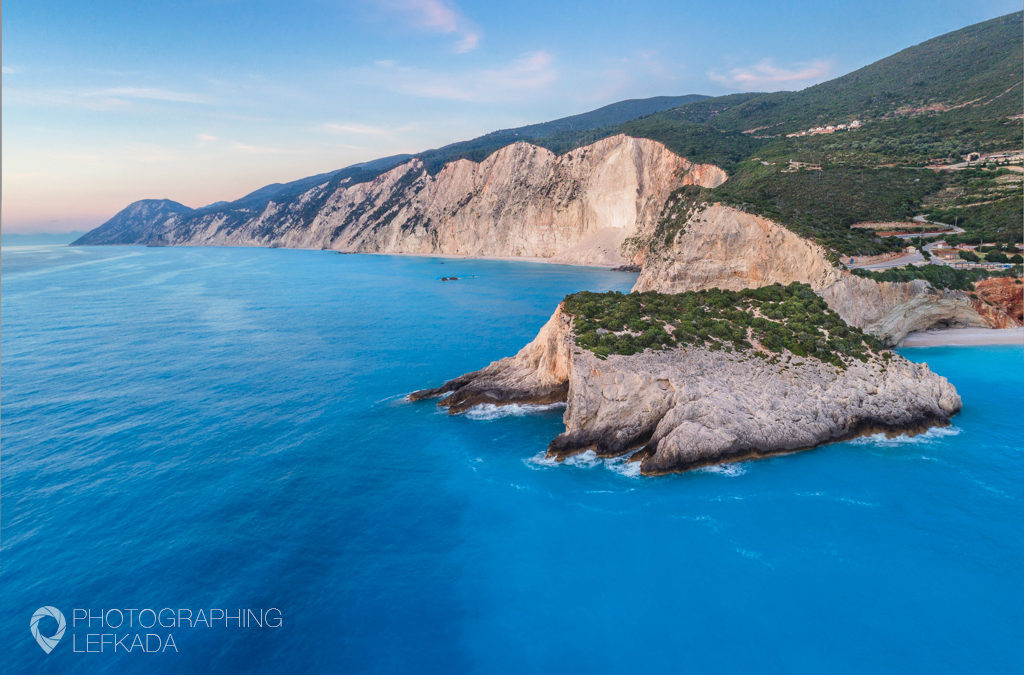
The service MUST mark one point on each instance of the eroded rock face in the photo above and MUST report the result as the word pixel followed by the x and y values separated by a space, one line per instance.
pixel 724 247
pixel 894 310
pixel 1000 301
pixel 521 201
pixel 688 407
pixel 525 201
pixel 537 375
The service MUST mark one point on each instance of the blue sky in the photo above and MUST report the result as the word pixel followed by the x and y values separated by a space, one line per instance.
pixel 108 102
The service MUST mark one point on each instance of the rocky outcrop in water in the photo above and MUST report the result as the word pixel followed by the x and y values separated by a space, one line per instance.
pixel 537 375
pixel 723 247
pixel 521 201
pixel 691 407
pixel 683 408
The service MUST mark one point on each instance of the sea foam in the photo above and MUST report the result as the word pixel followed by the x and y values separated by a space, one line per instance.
pixel 730 469
pixel 933 434
pixel 488 411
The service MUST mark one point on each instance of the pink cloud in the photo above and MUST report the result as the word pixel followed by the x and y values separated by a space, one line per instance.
pixel 436 16
pixel 766 73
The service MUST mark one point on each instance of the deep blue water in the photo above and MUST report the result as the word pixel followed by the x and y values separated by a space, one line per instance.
pixel 218 428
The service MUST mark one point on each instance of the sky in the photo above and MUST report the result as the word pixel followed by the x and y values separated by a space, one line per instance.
pixel 106 102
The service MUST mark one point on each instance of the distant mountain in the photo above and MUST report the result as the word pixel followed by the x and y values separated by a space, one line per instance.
pixel 133 223
pixel 602 118
pixel 965 82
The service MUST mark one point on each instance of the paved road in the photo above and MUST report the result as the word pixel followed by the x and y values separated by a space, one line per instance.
pixel 956 230
pixel 895 262
pixel 916 257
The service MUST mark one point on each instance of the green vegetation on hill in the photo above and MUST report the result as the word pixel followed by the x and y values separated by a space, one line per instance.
pixel 974 64
pixel 778 318
pixel 997 221
pixel 914 141
pixel 817 204
pixel 822 204
pixel 939 276
pixel 980 184
pixel 697 142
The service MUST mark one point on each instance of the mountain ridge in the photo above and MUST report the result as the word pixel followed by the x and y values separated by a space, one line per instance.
pixel 436 157
pixel 959 76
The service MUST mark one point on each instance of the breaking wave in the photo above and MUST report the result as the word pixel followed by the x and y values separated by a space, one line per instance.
pixel 730 469
pixel 488 411
pixel 932 434
pixel 588 460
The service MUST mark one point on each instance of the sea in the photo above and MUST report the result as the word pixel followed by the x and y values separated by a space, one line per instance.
pixel 211 448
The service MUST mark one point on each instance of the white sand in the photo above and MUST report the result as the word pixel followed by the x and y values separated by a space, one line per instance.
pixel 965 336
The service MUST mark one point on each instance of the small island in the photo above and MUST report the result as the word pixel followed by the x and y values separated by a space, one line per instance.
pixel 684 380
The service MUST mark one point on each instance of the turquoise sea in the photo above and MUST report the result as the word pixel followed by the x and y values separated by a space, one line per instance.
pixel 225 428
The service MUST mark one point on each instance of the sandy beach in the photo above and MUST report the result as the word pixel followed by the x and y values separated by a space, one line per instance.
pixel 965 337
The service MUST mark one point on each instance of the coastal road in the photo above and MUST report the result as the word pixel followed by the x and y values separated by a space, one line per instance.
pixel 953 228
pixel 909 259
pixel 916 257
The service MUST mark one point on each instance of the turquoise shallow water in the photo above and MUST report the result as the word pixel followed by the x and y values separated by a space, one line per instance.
pixel 220 428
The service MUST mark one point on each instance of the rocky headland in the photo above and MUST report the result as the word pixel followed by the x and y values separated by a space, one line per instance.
pixel 685 380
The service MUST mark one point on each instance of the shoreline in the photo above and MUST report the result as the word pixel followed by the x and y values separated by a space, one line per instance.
pixel 446 256
pixel 459 256
pixel 965 337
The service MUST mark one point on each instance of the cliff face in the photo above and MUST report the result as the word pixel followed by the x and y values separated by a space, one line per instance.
pixel 723 247
pixel 537 375
pixel 1000 301
pixel 688 407
pixel 893 310
pixel 522 201
pixel 525 201
pixel 691 407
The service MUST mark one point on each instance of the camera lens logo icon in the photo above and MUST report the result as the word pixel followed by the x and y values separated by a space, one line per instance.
pixel 47 642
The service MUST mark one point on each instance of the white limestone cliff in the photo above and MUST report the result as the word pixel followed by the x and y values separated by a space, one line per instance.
pixel 521 201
